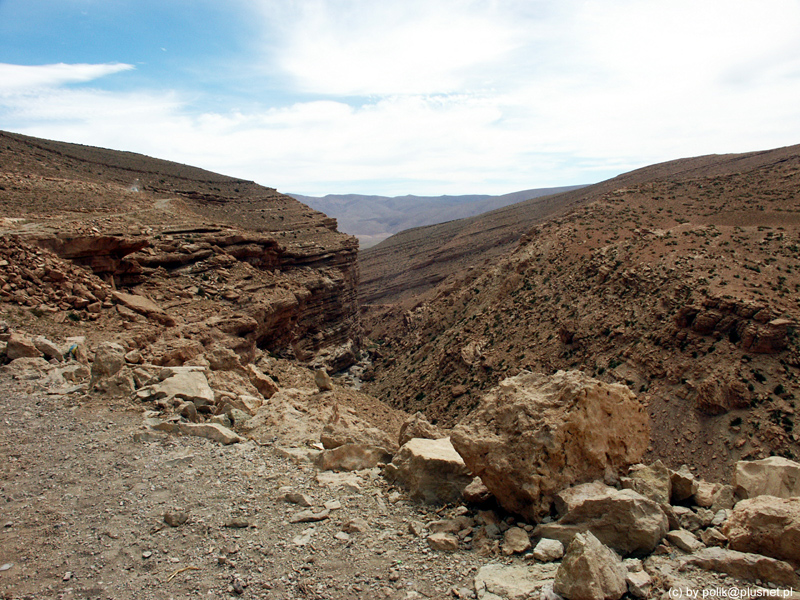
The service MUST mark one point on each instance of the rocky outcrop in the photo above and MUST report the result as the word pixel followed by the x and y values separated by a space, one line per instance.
pixel 431 470
pixel 590 571
pixel 621 519
pixel 417 426
pixel 766 525
pixel 773 476
pixel 534 435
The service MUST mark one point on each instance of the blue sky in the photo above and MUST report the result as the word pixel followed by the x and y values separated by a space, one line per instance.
pixel 421 96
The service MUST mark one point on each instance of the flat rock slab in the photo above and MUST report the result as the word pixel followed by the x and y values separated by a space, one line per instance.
pixel 512 582
pixel 745 565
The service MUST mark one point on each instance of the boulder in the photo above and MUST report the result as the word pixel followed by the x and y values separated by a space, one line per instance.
pixel 742 565
pixel 20 346
pixel 431 470
pixel 221 358
pixel 534 435
pixel 444 542
pixel 109 358
pixel 766 525
pixel 417 426
pixel 211 431
pixel 621 519
pixel 639 583
pixel 352 457
pixel 682 485
pixel 651 481
pixel 590 571
pixel 476 492
pixel 706 492
pixel 773 476
pixel 355 432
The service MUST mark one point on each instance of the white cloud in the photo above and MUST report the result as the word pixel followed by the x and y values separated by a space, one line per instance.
pixel 459 96
pixel 18 78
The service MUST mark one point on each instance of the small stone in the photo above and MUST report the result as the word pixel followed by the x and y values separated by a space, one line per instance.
pixel 237 586
pixel 342 536
pixel 6 566
pixel 333 505
pixel 176 519
pixel 415 528
pixel 309 516
pixel 548 550
pixel 356 525
pixel 516 541
pixel 685 540
pixel 323 381
pixel 639 584
pixel 237 523
pixel 295 498
pixel 444 542
pixel 147 554
pixel 68 575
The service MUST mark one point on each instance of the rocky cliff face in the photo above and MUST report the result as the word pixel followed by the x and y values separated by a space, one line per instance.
pixel 177 233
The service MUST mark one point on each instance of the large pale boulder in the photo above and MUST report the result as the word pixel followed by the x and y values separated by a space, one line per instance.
pixel 590 571
pixel 535 434
pixel 744 565
pixel 766 525
pixel 621 519
pixel 773 476
pixel 431 470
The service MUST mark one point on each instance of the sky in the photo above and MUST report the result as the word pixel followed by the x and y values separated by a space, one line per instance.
pixel 422 97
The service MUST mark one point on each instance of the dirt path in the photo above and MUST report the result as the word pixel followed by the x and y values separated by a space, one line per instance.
pixel 83 507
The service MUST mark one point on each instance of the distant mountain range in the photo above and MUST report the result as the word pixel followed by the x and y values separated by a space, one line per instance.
pixel 372 219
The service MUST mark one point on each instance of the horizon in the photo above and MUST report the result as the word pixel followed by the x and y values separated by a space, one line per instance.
pixel 457 98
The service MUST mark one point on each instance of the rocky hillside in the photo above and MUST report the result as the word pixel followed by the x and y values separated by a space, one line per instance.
pixel 414 261
pixel 274 273
pixel 680 280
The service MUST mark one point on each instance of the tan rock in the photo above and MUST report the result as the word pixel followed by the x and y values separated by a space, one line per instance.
pixel 534 435
pixel 685 540
pixel 621 519
pixel 713 537
pixel 706 491
pixel 431 470
pixel 476 492
pixel 144 306
pixel 263 383
pixel 444 542
pixel 773 476
pixel 766 525
pixel 742 565
pixel 514 582
pixel 683 484
pixel 109 359
pixel 355 432
pixel 639 583
pixel 185 383
pixel 417 426
pixel 590 571
pixel 548 550
pixel 651 481
pixel 50 350
pixel 20 346
pixel 323 380
pixel 515 541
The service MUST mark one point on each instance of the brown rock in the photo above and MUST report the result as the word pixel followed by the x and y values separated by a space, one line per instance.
pixel 444 542
pixel 352 457
pixel 263 383
pixel 651 481
pixel 515 541
pixel 534 435
pixel 683 484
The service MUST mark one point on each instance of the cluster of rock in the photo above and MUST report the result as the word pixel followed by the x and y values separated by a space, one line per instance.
pixel 39 279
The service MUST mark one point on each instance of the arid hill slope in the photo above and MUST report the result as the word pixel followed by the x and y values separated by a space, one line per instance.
pixel 200 244
pixel 680 279
pixel 413 261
